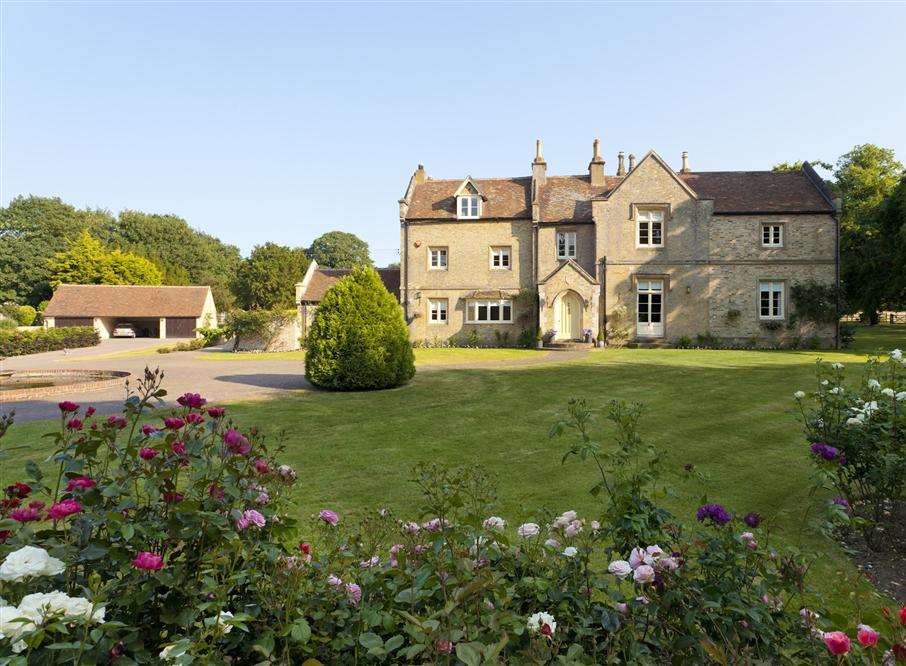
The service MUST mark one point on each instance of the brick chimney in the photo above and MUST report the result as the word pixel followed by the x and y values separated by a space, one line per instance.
pixel 631 162
pixel 621 170
pixel 596 166
pixel 539 166
pixel 685 168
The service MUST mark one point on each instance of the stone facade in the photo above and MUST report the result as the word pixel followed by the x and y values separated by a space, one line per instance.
pixel 705 277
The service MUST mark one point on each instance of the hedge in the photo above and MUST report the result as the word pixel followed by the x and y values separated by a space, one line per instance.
pixel 358 339
pixel 19 343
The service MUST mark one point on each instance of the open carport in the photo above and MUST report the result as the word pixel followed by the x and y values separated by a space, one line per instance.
pixel 154 311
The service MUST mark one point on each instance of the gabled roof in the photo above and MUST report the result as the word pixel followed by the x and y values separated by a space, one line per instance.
pixel 505 198
pixel 468 186
pixel 572 263
pixel 568 198
pixel 110 300
pixel 318 280
pixel 651 155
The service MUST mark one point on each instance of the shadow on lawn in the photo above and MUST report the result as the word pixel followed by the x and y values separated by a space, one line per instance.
pixel 284 382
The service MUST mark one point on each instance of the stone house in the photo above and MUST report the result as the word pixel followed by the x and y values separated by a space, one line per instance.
pixel 646 255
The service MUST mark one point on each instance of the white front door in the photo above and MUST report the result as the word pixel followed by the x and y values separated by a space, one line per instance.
pixel 569 317
pixel 650 308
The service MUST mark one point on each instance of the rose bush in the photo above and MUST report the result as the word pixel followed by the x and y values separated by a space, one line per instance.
pixel 190 555
pixel 857 439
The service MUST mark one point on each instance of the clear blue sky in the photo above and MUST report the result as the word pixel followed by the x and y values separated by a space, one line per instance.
pixel 260 122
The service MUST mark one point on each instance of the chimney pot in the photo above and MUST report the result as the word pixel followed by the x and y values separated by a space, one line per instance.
pixel 538 157
pixel 631 161
pixel 685 168
pixel 596 166
pixel 539 170
pixel 621 170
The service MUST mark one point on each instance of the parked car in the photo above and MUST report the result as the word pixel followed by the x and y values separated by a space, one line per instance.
pixel 124 330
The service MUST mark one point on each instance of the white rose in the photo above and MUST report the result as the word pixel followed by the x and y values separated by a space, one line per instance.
pixel 901 396
pixel 620 568
pixel 42 605
pixel 570 551
pixel 836 390
pixel 174 650
pixel 896 355
pixel 638 557
pixel 643 574
pixel 874 384
pixel 28 562
pixel 889 392
pixel 11 624
pixel 836 366
pixel 222 621
pixel 19 646
pixel 565 519
pixel 655 552
pixel 527 530
pixel 573 529
pixel 853 422
pixel 799 395
pixel 538 620
pixel 494 523
pixel 824 382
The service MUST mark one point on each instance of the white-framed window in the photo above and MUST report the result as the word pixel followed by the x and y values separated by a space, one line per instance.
pixel 650 228
pixel 500 257
pixel 566 245
pixel 770 300
pixel 468 207
pixel 772 235
pixel 437 311
pixel 437 258
pixel 490 312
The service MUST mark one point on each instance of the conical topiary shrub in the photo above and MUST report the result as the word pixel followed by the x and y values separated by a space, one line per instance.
pixel 359 340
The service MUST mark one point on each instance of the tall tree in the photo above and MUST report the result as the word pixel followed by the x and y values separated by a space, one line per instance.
pixel 339 249
pixel 32 230
pixel 186 256
pixel 797 166
pixel 865 177
pixel 88 261
pixel 267 279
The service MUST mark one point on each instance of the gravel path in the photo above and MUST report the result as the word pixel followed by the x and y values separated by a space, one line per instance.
pixel 219 381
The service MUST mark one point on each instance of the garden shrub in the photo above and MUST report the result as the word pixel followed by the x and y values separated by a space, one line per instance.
pixel 260 327
pixel 211 336
pixel 18 343
pixel 25 315
pixel 857 439
pixel 172 542
pixel 358 339
pixel 189 345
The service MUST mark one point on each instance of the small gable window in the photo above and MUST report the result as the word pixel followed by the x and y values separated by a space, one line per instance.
pixel 469 207
pixel 650 228
pixel 566 245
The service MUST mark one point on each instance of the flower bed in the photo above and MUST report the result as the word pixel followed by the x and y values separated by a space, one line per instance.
pixel 175 541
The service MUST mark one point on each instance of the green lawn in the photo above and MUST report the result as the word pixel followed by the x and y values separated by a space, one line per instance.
pixel 730 413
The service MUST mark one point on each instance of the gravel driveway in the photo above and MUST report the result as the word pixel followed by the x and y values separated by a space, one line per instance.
pixel 219 381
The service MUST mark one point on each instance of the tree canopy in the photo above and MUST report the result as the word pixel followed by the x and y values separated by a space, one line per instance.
pixel 339 249
pixel 267 279
pixel 32 230
pixel 88 261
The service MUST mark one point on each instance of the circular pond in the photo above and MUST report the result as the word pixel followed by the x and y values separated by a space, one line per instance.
pixel 29 384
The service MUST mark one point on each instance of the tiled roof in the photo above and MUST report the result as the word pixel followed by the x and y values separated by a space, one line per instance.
pixel 568 198
pixel 758 191
pixel 109 300
pixel 324 278
pixel 507 198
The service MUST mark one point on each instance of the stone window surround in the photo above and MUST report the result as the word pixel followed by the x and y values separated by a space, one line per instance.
pixel 665 278
pixel 634 209
pixel 476 207
pixel 784 302
pixel 469 302
pixel 446 256
pixel 508 250
pixel 770 246
pixel 443 307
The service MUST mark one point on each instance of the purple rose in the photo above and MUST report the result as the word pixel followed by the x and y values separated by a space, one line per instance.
pixel 715 512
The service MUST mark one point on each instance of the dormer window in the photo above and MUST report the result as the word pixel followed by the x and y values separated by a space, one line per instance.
pixel 468 200
pixel 469 207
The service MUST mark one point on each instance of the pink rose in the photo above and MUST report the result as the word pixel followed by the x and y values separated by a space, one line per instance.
pixel 334 580
pixel 173 498
pixel 173 423
pixel 80 482
pixel 179 448
pixel 353 593
pixel 148 561
pixel 74 424
pixel 64 508
pixel 90 411
pixel 216 412
pixel 867 636
pixel 837 642
pixel 147 453
pixel 194 418
pixel 191 400
pixel 261 466
pixel 68 406
pixel 25 514
pixel 116 421
pixel 250 517
pixel 444 646
pixel 643 574
pixel 236 442
pixel 329 517
pixel 148 429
